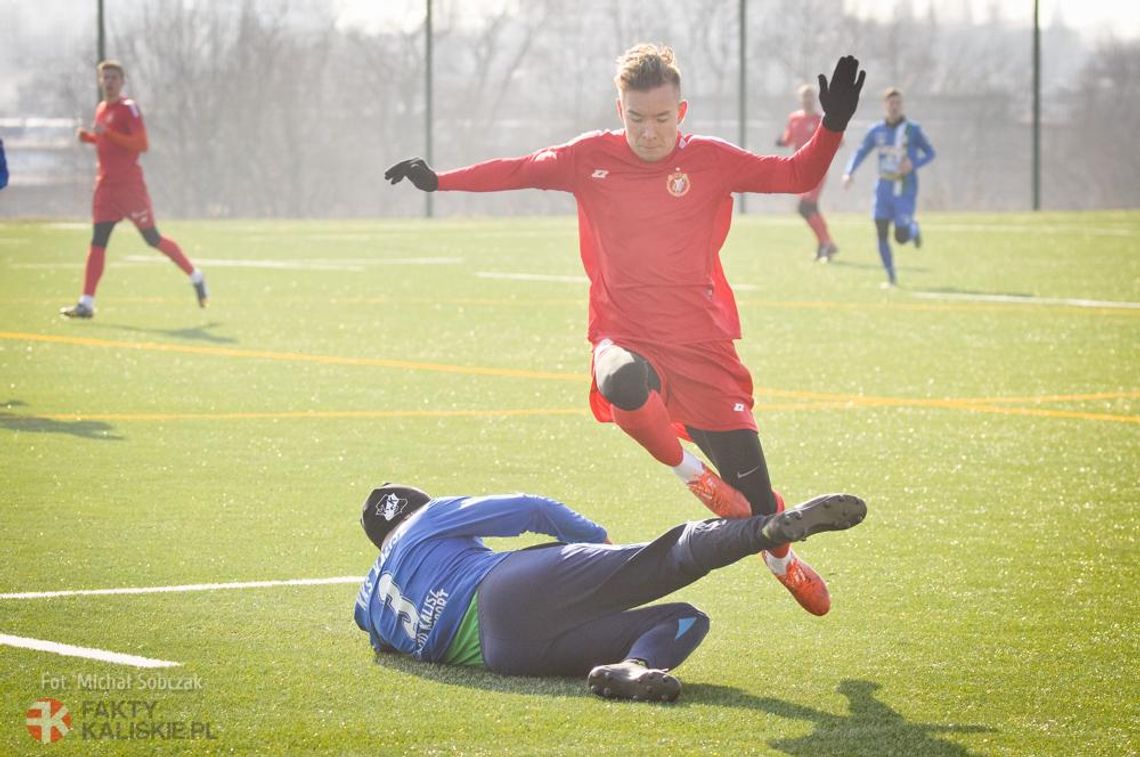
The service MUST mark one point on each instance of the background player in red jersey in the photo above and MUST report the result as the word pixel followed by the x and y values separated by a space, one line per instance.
pixel 801 125
pixel 119 137
pixel 654 208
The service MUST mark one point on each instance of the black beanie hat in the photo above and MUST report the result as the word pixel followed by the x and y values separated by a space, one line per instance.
pixel 387 507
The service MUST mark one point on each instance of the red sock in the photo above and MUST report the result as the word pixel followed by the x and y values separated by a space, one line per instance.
pixel 95 258
pixel 819 226
pixel 170 249
pixel 652 428
pixel 782 550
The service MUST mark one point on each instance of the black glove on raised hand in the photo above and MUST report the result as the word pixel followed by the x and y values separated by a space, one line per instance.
pixel 841 97
pixel 416 171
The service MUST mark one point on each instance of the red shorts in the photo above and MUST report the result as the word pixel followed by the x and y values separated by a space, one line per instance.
pixel 703 385
pixel 114 202
pixel 813 194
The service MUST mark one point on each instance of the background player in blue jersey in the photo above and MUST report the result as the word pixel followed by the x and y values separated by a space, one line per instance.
pixel 902 150
pixel 3 167
pixel 437 593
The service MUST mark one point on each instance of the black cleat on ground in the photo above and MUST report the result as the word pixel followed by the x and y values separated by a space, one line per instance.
pixel 831 251
pixel 827 512
pixel 203 295
pixel 917 238
pixel 78 310
pixel 629 680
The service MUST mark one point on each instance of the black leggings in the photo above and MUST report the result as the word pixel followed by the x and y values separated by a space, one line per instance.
pixel 563 609
pixel 882 226
pixel 625 378
pixel 102 234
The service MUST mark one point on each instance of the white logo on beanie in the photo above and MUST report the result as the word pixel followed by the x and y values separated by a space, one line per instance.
pixel 390 507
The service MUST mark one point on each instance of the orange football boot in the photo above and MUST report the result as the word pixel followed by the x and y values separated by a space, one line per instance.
pixel 800 579
pixel 804 584
pixel 718 496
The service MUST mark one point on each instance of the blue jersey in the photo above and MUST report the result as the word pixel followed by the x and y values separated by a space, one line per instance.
pixel 426 576
pixel 893 143
pixel 3 167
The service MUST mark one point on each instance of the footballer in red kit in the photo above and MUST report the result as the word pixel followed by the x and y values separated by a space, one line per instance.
pixel 654 209
pixel 802 124
pixel 119 136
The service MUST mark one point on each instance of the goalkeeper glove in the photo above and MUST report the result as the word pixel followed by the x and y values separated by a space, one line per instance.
pixel 841 97
pixel 416 171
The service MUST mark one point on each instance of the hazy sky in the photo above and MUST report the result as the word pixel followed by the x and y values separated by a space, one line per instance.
pixel 1091 17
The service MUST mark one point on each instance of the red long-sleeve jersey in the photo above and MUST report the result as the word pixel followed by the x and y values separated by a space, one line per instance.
pixel 799 128
pixel 650 233
pixel 118 147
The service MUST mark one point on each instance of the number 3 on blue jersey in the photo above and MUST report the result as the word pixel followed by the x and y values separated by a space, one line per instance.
pixel 405 610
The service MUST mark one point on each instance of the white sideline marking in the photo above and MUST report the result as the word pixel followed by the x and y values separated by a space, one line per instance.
pixel 90 653
pixel 532 277
pixel 183 587
pixel 1026 300
pixel 260 263
pixel 568 279
pixel 1031 229
pixel 355 265
pixel 328 264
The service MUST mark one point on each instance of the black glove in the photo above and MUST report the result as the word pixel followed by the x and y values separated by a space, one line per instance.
pixel 416 171
pixel 840 99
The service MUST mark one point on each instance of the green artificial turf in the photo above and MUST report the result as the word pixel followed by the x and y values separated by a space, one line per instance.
pixel 988 604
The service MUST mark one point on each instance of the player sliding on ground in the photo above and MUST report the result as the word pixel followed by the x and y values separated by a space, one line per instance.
pixel 440 595
pixel 654 208
pixel 120 137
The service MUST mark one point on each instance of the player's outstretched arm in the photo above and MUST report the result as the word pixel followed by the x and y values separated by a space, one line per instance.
pixel 840 97
pixel 415 170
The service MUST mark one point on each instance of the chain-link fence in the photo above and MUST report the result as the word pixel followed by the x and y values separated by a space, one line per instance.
pixel 270 108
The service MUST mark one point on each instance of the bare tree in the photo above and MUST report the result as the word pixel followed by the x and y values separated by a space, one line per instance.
pixel 1095 142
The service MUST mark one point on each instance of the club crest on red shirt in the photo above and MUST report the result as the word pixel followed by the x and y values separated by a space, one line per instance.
pixel 678 183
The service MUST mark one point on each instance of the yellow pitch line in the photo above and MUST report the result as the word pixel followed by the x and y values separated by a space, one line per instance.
pixel 330 414
pixel 971 405
pixel 756 303
pixel 1046 413
pixel 824 398
pixel 1124 394
pixel 926 306
pixel 306 414
pixel 354 414
pixel 299 357
pixel 862 399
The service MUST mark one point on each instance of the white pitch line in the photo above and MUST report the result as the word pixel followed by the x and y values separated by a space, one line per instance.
pixel 330 264
pixel 1030 229
pixel 532 277
pixel 569 279
pixel 1027 300
pixel 324 262
pixel 183 587
pixel 90 653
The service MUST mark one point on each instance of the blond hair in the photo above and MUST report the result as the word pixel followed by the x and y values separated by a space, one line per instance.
pixel 112 64
pixel 647 66
pixel 892 92
pixel 803 88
